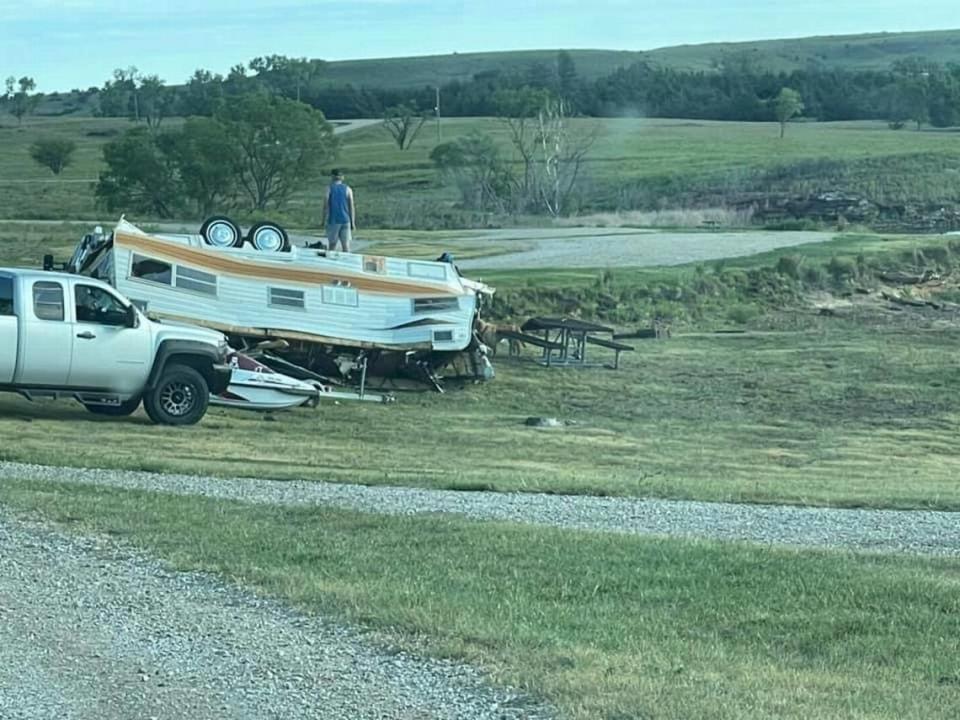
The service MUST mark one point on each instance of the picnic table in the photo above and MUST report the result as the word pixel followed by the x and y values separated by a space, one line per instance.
pixel 569 337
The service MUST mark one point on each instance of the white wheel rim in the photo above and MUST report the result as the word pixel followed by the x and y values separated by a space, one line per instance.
pixel 268 239
pixel 221 234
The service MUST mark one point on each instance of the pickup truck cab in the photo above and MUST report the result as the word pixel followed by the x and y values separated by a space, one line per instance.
pixel 65 335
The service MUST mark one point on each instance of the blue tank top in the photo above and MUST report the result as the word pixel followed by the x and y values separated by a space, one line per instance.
pixel 339 207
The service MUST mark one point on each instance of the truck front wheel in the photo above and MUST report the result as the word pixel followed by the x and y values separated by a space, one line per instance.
pixel 179 398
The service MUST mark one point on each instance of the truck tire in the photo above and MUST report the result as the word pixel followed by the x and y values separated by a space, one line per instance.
pixel 179 398
pixel 128 407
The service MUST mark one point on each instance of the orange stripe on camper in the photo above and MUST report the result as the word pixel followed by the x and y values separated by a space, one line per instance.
pixel 214 261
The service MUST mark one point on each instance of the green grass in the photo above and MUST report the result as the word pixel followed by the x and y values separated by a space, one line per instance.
pixel 830 415
pixel 635 163
pixel 641 163
pixel 603 626
pixel 849 411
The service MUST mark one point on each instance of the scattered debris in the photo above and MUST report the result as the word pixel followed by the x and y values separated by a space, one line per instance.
pixel 543 422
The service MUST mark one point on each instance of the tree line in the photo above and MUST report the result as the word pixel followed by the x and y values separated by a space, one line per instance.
pixel 737 87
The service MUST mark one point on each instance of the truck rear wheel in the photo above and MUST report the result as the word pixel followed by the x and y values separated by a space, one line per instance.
pixel 128 407
pixel 179 398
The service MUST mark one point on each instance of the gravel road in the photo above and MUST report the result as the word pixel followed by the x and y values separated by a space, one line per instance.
pixel 913 532
pixel 92 631
pixel 619 247
pixel 582 247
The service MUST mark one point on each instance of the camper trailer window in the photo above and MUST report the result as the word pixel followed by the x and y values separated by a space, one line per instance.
pixel 201 282
pixel 153 270
pixel 282 297
pixel 427 270
pixel 48 300
pixel 340 296
pixel 439 304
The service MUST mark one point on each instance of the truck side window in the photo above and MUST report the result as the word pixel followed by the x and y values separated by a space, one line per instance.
pixel 96 305
pixel 6 296
pixel 48 300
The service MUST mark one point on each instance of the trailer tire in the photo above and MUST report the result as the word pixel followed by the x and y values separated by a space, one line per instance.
pixel 179 398
pixel 222 232
pixel 268 237
pixel 127 407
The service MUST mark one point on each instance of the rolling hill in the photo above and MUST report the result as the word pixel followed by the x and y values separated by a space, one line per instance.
pixel 869 51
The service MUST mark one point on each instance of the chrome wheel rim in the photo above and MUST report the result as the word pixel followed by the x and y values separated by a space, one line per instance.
pixel 177 399
pixel 268 239
pixel 221 234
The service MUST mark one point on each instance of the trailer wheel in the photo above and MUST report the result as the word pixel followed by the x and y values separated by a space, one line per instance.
pixel 220 231
pixel 128 407
pixel 180 398
pixel 269 237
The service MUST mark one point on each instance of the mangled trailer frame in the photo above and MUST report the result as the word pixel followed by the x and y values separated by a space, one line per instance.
pixel 336 315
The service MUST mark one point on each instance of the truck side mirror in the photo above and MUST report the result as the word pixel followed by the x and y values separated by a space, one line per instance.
pixel 47 263
pixel 131 317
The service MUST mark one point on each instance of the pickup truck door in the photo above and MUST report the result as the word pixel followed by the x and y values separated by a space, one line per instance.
pixel 107 353
pixel 46 335
pixel 8 331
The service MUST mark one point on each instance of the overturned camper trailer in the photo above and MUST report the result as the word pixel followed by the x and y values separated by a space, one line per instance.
pixel 346 316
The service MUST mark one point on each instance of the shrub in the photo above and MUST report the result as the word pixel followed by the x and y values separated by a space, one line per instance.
pixel 53 153
pixel 840 269
pixel 789 266
pixel 742 314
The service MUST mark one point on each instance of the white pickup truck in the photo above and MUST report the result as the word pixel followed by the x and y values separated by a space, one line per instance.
pixel 65 335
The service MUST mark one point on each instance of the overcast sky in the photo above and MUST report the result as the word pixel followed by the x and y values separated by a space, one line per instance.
pixel 76 43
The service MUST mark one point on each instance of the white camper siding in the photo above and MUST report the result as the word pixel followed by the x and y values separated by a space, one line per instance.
pixel 329 310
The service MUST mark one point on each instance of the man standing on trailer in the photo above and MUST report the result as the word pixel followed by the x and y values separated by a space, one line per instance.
pixel 339 212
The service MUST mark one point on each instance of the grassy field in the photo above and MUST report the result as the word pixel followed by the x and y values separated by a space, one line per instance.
pixel 854 410
pixel 635 163
pixel 604 627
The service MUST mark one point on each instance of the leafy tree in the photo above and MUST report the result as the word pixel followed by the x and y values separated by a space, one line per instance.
pixel 282 144
pixel 205 156
pixel 20 101
pixel 118 97
pixel 286 76
pixel 203 94
pixel 787 104
pixel 140 176
pixel 237 82
pixel 53 153
pixel 474 164
pixel 153 100
pixel 404 124
pixel 568 82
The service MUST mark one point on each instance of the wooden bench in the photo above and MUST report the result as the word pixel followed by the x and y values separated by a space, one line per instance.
pixel 549 346
pixel 617 347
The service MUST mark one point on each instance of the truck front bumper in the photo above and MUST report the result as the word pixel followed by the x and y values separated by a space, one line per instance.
pixel 220 378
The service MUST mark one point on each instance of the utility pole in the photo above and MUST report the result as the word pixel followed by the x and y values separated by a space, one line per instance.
pixel 437 110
